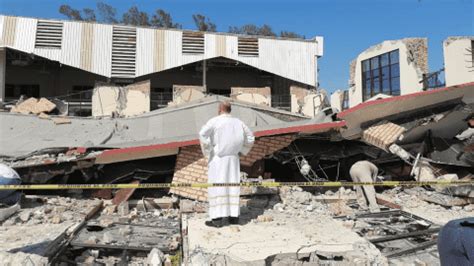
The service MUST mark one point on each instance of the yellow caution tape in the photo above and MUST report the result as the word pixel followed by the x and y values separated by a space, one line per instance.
pixel 245 184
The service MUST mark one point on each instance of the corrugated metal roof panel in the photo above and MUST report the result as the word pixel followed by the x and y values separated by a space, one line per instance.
pixel 102 50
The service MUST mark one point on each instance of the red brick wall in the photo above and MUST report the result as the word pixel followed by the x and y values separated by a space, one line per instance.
pixel 191 166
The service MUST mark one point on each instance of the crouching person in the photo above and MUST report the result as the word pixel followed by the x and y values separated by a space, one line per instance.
pixel 365 171
pixel 223 138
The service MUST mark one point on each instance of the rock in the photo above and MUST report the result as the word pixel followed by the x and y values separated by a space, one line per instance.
pixel 126 230
pixel 107 238
pixel 301 197
pixel 456 208
pixel 106 221
pixel 469 208
pixel 89 260
pixel 25 216
pixel 59 209
pixel 123 209
pixel 155 257
pixel 92 240
pixel 264 218
pixel 47 209
pixel 234 229
pixel 310 208
pixel 109 209
pixel 297 189
pixel 20 258
pixel 56 219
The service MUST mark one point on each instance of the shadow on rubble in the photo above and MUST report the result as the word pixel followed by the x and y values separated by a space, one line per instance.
pixel 255 206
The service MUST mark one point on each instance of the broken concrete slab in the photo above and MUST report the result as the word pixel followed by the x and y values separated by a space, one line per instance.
pixel 295 236
pixel 429 211
pixel 34 106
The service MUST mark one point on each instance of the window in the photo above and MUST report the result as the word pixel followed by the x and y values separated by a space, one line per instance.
pixel 160 97
pixel 81 93
pixel 381 74
pixel 472 53
pixel 248 46
pixel 345 100
pixel 28 90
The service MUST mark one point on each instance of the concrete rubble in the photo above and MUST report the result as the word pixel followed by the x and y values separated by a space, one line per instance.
pixel 406 139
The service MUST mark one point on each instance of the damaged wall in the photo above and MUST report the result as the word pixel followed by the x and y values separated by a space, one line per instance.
pixel 126 101
pixel 458 60
pixel 187 93
pixel 307 102
pixel 191 166
pixel 413 60
pixel 260 96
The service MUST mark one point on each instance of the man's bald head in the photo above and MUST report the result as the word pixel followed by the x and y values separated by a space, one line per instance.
pixel 225 108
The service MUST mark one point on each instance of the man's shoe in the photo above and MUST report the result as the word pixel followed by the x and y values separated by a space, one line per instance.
pixel 217 223
pixel 234 220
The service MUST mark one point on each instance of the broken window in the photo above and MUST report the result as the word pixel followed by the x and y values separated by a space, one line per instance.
pixel 381 74
pixel 248 46
pixel 14 91
pixel 193 43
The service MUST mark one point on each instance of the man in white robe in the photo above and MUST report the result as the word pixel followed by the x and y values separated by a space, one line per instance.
pixel 223 139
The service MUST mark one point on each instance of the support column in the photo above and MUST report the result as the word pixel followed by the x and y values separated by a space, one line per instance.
pixel 3 68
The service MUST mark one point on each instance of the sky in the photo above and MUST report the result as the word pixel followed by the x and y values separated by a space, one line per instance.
pixel 347 26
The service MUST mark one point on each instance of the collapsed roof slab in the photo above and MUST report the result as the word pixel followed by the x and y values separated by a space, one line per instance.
pixel 402 106
pixel 167 128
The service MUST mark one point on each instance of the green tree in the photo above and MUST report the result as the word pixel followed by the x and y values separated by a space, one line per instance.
pixel 70 13
pixel 290 34
pixel 88 14
pixel 107 13
pixel 252 29
pixel 163 19
pixel 135 17
pixel 203 23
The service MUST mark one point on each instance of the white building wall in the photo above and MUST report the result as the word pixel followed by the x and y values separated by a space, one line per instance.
pixel 291 59
pixel 458 61
pixel 25 35
pixel 410 73
pixel 102 50
pixel 145 51
pixel 71 44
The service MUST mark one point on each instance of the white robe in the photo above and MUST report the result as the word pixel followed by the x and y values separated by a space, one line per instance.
pixel 222 139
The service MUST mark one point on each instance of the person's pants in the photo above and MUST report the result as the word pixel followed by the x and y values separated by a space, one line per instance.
pixel 9 197
pixel 456 243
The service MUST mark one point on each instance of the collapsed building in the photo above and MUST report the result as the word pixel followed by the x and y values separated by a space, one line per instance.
pixel 399 67
pixel 131 135
pixel 66 59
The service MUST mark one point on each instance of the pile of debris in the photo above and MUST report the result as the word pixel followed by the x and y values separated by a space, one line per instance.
pixel 43 108
pixel 291 227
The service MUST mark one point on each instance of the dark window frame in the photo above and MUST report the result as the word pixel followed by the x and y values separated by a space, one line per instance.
pixel 373 79
pixel 14 91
